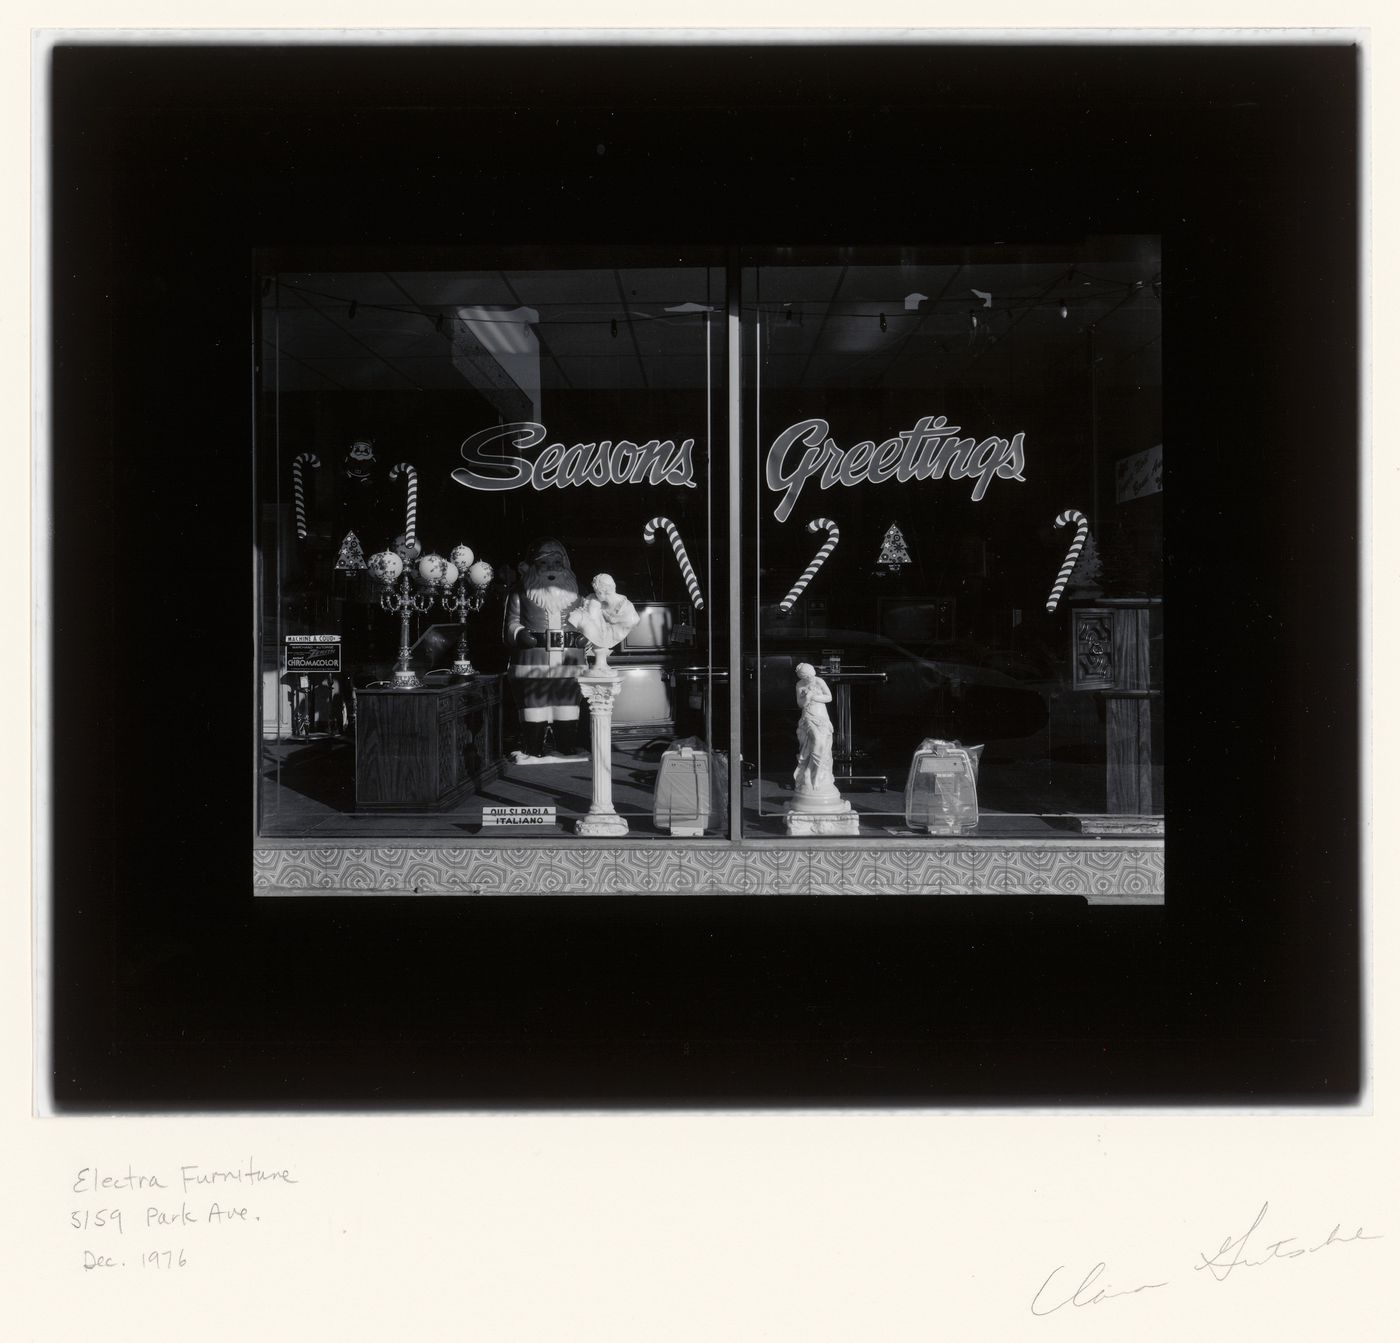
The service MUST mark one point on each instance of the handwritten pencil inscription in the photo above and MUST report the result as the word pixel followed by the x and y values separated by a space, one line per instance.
pixel 142 1219
pixel 1249 1249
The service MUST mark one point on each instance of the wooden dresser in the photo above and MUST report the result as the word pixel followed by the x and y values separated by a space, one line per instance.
pixel 424 749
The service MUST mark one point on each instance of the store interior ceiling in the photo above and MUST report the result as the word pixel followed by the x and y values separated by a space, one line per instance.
pixel 659 327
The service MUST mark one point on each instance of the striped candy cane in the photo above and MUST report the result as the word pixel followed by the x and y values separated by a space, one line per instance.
pixel 298 492
pixel 691 582
pixel 410 532
pixel 1067 568
pixel 833 536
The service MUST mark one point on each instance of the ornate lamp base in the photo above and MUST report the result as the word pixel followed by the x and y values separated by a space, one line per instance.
pixel 405 678
pixel 463 667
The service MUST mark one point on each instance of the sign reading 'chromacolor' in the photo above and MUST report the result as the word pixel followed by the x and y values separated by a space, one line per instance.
pixel 490 467
pixel 930 450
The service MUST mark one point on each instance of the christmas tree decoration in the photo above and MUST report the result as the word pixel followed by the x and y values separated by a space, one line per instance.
pixel 352 554
pixel 894 553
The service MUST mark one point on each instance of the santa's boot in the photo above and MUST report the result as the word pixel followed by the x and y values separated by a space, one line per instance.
pixel 532 738
pixel 566 736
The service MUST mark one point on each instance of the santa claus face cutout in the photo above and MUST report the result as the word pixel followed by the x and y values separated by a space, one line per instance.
pixel 360 461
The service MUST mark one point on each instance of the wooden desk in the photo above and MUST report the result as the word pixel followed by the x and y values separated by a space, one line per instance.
pixel 424 749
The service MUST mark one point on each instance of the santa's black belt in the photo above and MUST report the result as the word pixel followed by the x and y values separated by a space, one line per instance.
pixel 561 638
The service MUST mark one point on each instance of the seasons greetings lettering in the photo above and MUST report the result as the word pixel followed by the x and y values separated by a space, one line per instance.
pixel 804 451
pixel 930 450
pixel 606 463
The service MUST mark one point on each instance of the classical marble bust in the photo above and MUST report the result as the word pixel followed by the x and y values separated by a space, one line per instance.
pixel 604 618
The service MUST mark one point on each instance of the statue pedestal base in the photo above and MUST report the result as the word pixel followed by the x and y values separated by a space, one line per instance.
pixel 824 813
pixel 840 822
pixel 600 690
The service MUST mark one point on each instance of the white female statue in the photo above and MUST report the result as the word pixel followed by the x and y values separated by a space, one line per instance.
pixel 817 807
pixel 605 619
pixel 814 734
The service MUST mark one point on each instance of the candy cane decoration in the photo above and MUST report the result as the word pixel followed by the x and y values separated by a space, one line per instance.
pixel 691 582
pixel 1067 568
pixel 833 536
pixel 313 461
pixel 410 534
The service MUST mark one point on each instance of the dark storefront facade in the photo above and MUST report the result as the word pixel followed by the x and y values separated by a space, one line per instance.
pixel 897 306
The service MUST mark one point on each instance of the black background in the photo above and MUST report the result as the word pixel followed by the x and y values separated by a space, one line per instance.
pixel 174 988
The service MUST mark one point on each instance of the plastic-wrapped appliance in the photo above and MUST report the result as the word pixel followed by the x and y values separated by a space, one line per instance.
pixel 691 786
pixel 940 795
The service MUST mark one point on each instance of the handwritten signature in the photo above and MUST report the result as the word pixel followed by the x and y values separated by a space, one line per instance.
pixel 1233 1254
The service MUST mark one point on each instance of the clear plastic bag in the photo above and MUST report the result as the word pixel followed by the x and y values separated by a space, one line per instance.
pixel 692 786
pixel 940 795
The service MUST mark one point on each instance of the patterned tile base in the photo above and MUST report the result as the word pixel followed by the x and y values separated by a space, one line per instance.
pixel 1102 871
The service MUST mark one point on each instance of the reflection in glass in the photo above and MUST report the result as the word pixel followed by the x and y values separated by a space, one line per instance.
pixel 919 421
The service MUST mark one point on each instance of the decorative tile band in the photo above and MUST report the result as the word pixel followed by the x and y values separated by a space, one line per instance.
pixel 1101 872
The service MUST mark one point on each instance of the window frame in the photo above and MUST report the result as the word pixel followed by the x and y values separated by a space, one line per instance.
pixel 1114 861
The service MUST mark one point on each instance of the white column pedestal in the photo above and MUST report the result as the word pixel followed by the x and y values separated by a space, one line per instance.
pixel 600 690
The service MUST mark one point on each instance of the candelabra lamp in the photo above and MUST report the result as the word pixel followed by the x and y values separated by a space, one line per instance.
pixel 467 594
pixel 400 599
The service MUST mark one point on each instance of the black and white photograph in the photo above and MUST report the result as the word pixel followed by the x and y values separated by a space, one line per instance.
pixel 578 506
pixel 886 524
pixel 704 683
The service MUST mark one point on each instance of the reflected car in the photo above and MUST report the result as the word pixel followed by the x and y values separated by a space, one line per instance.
pixel 918 696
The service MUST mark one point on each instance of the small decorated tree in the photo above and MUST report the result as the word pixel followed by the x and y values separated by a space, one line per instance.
pixel 352 555
pixel 894 553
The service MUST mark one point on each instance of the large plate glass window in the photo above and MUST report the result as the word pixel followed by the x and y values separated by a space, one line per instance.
pixel 953 603
pixel 450 451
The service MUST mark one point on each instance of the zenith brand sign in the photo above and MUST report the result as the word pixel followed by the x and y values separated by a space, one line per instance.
pixel 932 449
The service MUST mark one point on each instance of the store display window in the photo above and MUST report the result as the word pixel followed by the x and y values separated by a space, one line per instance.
pixel 763 551
pixel 487 495
pixel 956 523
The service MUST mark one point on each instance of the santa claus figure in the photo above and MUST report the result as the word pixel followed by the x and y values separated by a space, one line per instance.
pixel 546 654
